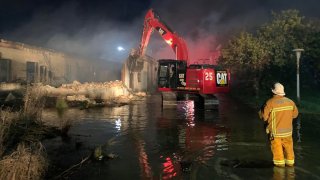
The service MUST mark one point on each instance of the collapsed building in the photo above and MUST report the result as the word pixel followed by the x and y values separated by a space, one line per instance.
pixel 139 73
pixel 25 63
pixel 76 79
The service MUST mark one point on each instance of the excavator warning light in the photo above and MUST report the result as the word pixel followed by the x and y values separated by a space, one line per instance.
pixel 169 41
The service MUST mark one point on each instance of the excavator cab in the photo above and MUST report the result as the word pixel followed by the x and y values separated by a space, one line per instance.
pixel 171 74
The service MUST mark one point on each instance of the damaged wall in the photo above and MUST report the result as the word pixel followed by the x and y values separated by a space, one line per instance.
pixel 140 73
pixel 24 63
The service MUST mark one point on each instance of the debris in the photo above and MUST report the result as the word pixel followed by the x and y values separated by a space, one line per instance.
pixel 72 167
pixel 98 153
pixel 10 97
pixel 112 156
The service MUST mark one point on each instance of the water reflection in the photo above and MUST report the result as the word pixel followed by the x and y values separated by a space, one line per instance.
pixel 192 135
pixel 298 130
pixel 280 173
pixel 118 124
pixel 170 168
pixel 159 144
pixel 186 111
pixel 184 143
pixel 145 167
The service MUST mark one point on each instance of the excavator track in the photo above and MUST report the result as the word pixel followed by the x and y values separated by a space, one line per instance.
pixel 202 101
pixel 209 101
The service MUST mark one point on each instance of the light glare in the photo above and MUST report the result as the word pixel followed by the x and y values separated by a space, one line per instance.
pixel 120 48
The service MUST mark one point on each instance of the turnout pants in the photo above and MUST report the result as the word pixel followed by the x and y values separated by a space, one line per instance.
pixel 282 150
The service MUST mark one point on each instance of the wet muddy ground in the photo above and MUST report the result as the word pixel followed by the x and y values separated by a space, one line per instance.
pixel 148 143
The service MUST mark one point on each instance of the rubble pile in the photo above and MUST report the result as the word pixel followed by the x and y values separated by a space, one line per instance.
pixel 76 93
pixel 93 93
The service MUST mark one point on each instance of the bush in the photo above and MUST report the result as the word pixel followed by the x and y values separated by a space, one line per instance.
pixel 27 162
pixel 34 101
pixel 7 119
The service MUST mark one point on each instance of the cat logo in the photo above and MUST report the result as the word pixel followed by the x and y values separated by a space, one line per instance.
pixel 181 79
pixel 161 31
pixel 221 78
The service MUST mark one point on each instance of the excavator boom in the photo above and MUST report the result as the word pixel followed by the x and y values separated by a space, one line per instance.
pixel 152 22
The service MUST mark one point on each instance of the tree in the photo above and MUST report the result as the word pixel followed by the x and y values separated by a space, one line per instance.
pixel 286 31
pixel 247 56
pixel 311 59
pixel 267 56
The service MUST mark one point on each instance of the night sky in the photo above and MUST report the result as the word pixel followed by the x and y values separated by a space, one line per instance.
pixel 95 28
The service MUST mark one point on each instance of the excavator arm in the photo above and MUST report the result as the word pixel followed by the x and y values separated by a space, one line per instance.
pixel 152 22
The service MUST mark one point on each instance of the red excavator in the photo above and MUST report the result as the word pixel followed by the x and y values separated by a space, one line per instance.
pixel 177 78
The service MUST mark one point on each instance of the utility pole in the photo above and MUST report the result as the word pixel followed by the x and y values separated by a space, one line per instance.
pixel 298 54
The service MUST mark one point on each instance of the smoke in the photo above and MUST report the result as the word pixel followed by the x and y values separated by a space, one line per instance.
pixel 201 47
pixel 90 36
pixel 95 29
pixel 208 24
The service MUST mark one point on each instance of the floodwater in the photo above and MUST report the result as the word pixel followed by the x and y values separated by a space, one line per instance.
pixel 185 143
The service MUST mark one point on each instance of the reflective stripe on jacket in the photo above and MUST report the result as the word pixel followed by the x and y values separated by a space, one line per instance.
pixel 279 112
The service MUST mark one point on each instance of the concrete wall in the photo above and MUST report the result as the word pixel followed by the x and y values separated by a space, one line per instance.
pixel 140 73
pixel 35 64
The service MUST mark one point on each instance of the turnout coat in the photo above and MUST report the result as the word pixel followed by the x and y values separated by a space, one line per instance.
pixel 278 112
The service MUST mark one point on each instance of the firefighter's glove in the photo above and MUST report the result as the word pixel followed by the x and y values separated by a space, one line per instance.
pixel 271 138
pixel 260 114
pixel 267 131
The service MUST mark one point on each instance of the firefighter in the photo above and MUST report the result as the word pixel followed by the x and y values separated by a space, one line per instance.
pixel 278 112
